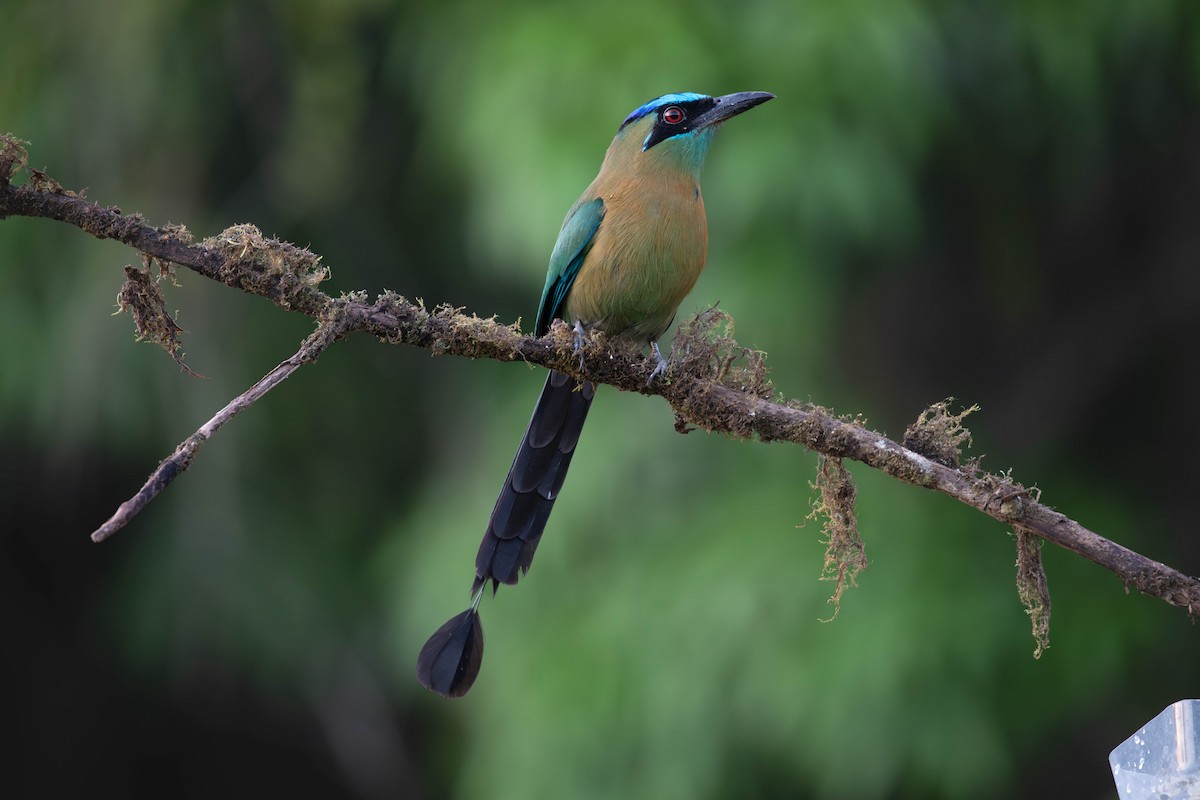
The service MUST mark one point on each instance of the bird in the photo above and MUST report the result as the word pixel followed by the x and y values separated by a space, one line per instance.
pixel 629 251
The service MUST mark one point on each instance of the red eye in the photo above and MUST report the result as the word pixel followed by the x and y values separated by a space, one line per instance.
pixel 673 115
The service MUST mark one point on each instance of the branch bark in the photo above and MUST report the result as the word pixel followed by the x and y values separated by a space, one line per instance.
pixel 711 382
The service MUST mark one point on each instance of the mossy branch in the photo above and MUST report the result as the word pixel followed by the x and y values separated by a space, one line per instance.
pixel 711 382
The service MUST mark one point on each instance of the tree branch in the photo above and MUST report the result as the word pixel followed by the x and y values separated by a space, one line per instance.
pixel 316 343
pixel 711 382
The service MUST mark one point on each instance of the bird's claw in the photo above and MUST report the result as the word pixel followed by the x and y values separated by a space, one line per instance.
pixel 660 369
pixel 581 340
pixel 581 337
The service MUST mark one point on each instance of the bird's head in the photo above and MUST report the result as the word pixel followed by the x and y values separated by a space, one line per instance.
pixel 675 130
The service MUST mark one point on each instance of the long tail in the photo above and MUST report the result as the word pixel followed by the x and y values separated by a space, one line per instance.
pixel 450 660
pixel 533 481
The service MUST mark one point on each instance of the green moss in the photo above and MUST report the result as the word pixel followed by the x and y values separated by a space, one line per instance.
pixel 939 435
pixel 13 157
pixel 845 553
pixel 141 297
pixel 282 272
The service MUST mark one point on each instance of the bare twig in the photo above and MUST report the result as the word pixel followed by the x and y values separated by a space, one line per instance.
pixel 706 388
pixel 326 334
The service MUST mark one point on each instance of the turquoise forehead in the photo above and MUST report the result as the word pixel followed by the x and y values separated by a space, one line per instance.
pixel 659 102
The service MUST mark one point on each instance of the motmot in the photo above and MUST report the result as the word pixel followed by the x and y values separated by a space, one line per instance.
pixel 629 251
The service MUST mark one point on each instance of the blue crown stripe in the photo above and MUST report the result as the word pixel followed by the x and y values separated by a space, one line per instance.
pixel 659 102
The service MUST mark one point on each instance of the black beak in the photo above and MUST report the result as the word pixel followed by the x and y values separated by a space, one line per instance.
pixel 730 105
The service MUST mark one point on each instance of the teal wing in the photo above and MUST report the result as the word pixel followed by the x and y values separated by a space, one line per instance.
pixel 574 241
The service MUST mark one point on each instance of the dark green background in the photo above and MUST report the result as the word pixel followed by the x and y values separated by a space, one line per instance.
pixel 996 201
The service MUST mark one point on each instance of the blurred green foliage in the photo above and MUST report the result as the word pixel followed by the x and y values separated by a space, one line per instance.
pixel 988 200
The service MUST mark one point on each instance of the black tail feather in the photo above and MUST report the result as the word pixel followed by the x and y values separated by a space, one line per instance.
pixel 533 481
pixel 449 662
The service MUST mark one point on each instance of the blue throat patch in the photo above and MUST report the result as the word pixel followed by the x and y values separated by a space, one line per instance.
pixel 688 150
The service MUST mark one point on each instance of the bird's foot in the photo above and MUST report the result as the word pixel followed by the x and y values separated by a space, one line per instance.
pixel 581 341
pixel 660 369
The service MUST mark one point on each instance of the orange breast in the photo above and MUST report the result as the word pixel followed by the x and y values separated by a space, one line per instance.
pixel 646 256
